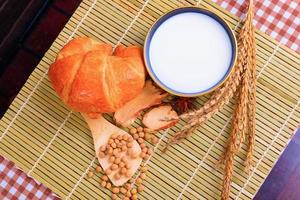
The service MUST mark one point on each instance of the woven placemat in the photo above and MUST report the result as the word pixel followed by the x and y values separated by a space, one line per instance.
pixel 54 145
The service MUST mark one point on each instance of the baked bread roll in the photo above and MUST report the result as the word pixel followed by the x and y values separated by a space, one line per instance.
pixel 90 79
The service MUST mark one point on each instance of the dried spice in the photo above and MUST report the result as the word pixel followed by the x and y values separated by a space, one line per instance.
pixel 154 118
pixel 182 104
pixel 150 96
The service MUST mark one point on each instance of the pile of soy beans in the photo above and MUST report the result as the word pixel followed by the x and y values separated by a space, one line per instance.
pixel 123 143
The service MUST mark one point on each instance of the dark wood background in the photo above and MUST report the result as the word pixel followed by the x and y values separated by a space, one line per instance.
pixel 27 30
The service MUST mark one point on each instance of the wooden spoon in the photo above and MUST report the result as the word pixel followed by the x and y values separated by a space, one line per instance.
pixel 102 130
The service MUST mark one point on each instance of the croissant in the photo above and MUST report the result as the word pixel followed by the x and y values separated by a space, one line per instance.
pixel 91 79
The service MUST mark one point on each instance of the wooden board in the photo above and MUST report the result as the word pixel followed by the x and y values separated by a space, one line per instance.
pixel 53 145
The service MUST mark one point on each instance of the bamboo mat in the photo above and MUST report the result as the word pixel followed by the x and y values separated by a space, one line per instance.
pixel 54 145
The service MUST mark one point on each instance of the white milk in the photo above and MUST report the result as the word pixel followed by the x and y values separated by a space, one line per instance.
pixel 190 52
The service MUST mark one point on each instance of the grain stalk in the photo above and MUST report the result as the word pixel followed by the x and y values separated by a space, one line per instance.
pixel 243 81
pixel 244 116
pixel 221 96
pixel 252 94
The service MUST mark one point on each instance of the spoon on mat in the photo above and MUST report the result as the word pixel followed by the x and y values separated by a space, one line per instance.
pixel 102 130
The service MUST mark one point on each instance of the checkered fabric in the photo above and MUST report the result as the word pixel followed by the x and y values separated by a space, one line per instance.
pixel 278 18
pixel 15 184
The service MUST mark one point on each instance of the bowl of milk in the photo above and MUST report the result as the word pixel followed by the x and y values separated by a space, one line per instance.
pixel 190 51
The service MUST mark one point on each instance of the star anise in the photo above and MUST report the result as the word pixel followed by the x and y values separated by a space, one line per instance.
pixel 182 104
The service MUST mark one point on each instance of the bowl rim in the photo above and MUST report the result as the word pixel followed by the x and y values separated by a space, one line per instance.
pixel 184 9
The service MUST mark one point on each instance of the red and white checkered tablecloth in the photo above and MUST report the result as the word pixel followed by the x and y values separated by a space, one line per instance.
pixel 15 184
pixel 278 18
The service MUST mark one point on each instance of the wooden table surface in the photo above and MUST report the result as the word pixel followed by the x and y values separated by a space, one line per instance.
pixel 283 183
